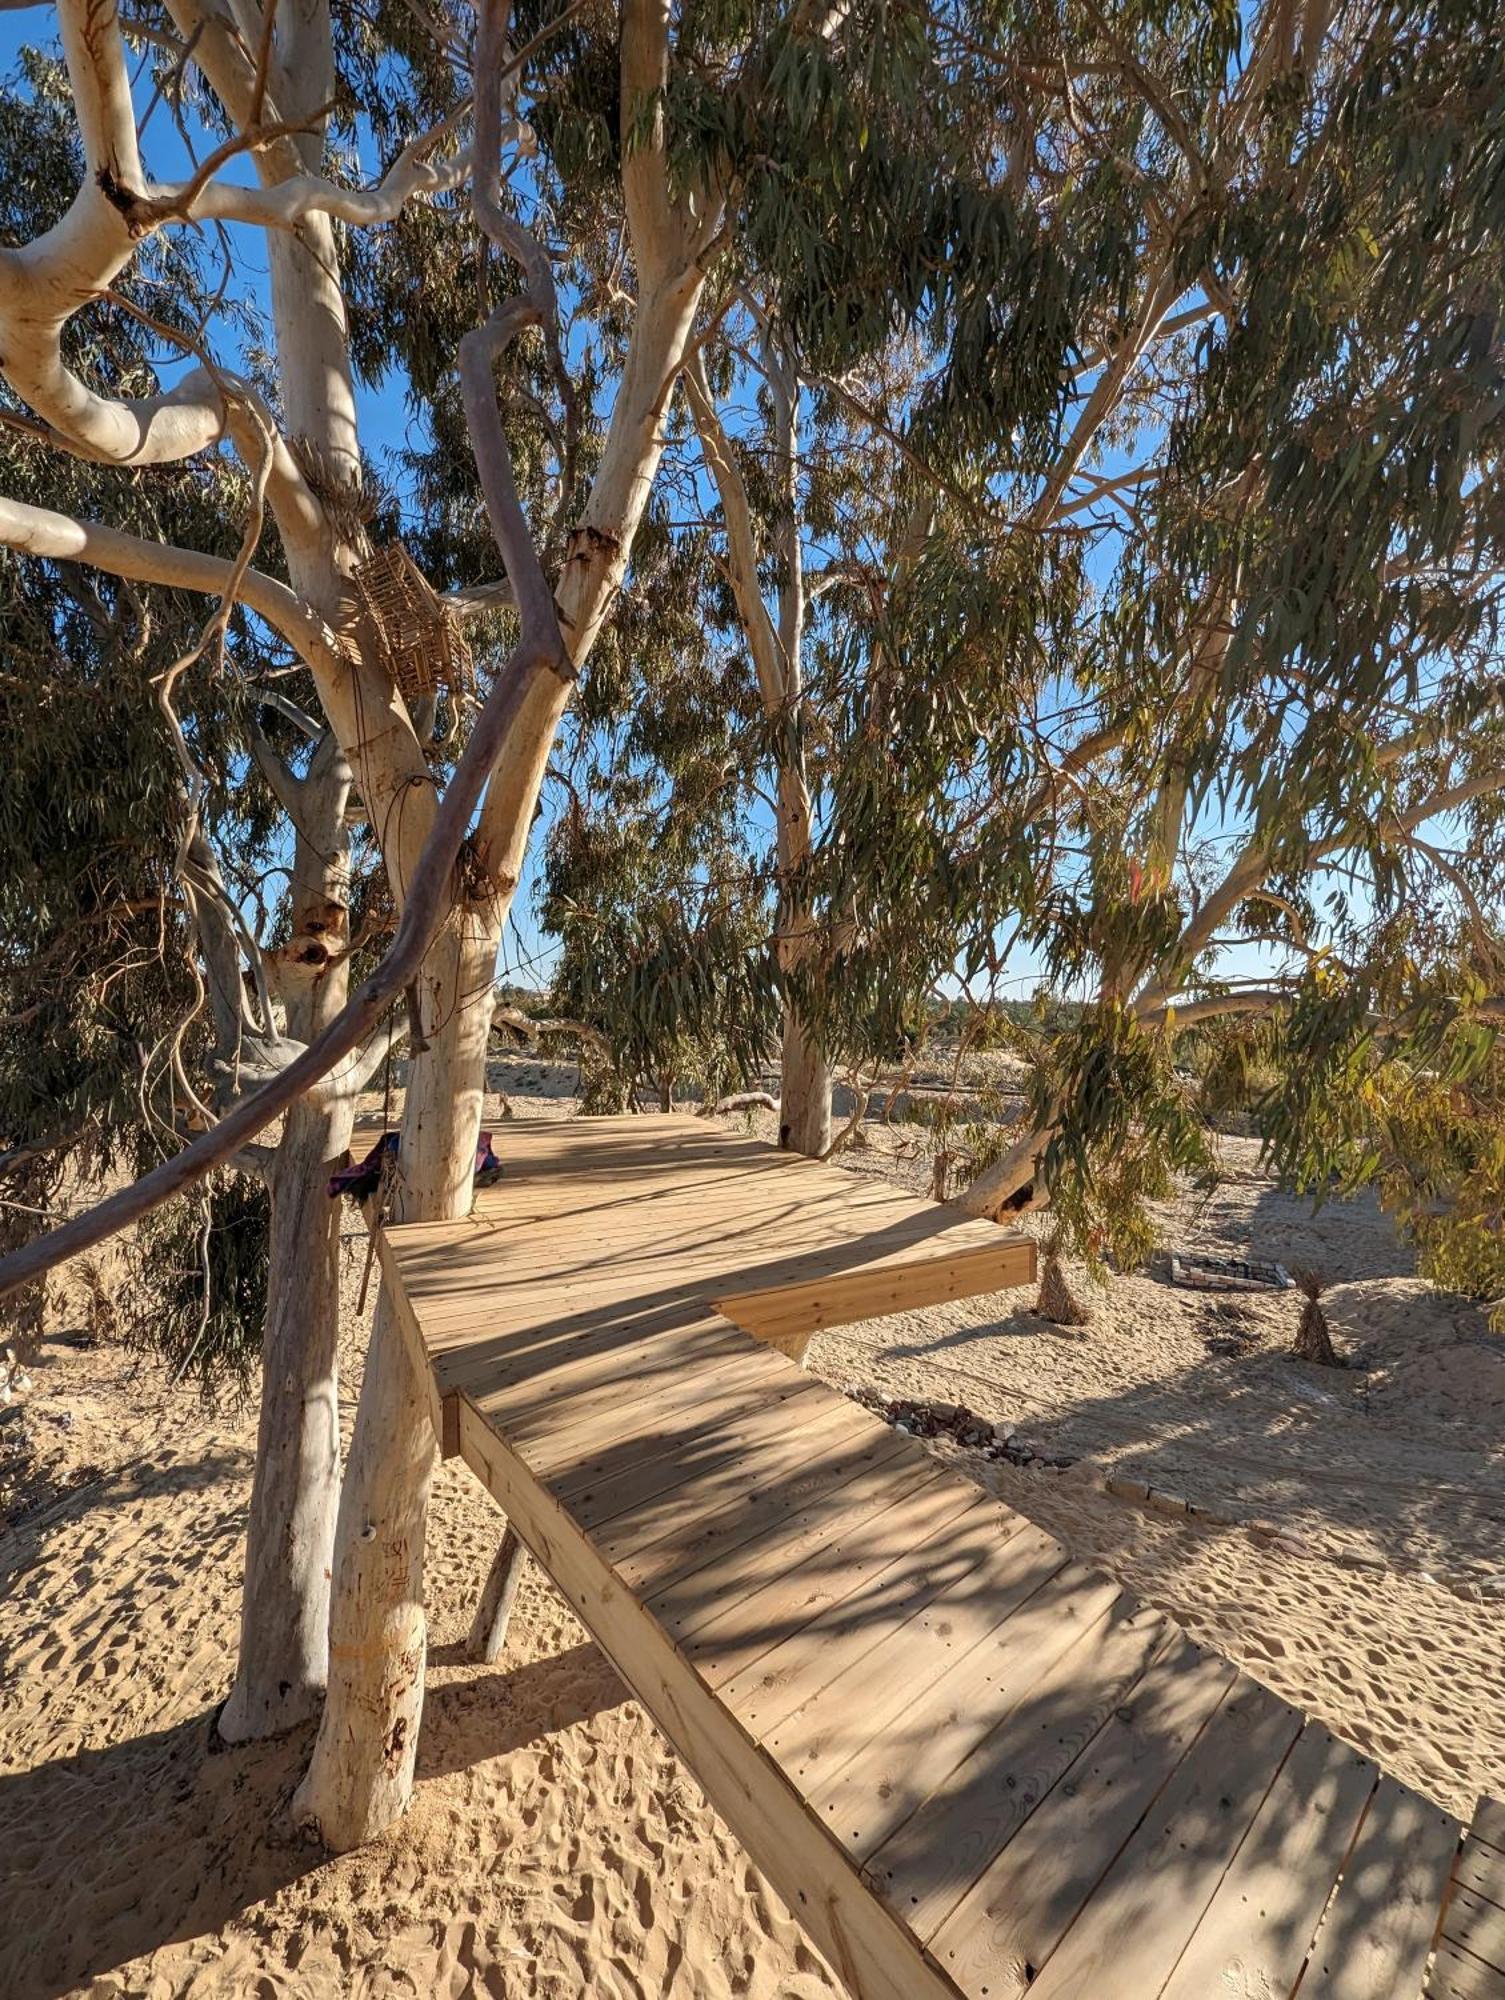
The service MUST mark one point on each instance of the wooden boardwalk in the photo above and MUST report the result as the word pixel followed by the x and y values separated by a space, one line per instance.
pixel 969 1764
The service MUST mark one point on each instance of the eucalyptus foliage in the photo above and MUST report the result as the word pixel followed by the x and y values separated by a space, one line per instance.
pixel 97 989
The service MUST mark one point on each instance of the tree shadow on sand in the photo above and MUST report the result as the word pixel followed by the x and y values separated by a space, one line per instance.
pixel 24 1541
pixel 118 1851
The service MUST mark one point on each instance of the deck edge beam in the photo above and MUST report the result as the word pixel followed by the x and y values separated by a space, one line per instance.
pixel 865 1945
pixel 786 1316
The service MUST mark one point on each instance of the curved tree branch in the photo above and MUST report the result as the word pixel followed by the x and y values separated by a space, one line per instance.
pixel 38 531
pixel 431 896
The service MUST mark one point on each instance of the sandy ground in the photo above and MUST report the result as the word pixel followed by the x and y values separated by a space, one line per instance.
pixel 556 1847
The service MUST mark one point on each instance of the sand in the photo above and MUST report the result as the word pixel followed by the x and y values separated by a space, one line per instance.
pixel 556 1846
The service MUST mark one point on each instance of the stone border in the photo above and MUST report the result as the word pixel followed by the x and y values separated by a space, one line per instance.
pixel 960 1426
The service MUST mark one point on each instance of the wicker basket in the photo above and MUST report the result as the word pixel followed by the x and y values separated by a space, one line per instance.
pixel 421 644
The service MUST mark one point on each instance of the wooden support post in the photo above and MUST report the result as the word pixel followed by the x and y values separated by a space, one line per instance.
pixel 488 1629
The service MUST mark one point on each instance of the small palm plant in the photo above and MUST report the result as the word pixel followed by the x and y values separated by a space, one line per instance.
pixel 1313 1341
pixel 1057 1302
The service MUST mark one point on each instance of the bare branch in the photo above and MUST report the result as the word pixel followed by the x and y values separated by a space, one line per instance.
pixel 285 205
pixel 429 900
pixel 37 531
pixel 533 1028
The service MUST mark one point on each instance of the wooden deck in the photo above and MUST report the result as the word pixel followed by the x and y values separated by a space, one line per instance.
pixel 969 1764
pixel 1470 1961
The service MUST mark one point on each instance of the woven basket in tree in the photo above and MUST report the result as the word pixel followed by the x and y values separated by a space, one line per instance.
pixel 421 644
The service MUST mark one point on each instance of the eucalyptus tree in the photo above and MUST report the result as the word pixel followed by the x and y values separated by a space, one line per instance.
pixel 650 882
pixel 853 174
pixel 176 874
pixel 1209 651
pixel 634 145
pixel 678 854
pixel 272 84
pixel 775 638
pixel 94 972
pixel 215 781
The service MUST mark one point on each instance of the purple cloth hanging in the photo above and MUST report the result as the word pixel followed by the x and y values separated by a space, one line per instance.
pixel 363 1177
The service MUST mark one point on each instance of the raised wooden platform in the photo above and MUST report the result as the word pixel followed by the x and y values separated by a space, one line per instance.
pixel 969 1764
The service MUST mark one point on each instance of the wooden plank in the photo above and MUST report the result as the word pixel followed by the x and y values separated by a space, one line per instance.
pixel 602 1450
pixel 787 1315
pixel 799 1631
pixel 443 1421
pixel 766 1284
pixel 840 1722
pixel 884 1783
pixel 603 1185
pixel 1128 1938
pixel 769 1685
pixel 1481 1868
pixel 724 1612
pixel 1458 1975
pixel 571 1420
pixel 762 1490
pixel 1039 1815
pixel 732 1564
pixel 1382 1919
pixel 1476 1925
pixel 607 1490
pixel 670 1207
pixel 1488 1822
pixel 866 1947
pixel 1283 1873
pixel 512 1381
pixel 522 1340
pixel 808 1604
pixel 673 1359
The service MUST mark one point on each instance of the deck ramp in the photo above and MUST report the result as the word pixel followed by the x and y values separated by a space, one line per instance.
pixel 969 1764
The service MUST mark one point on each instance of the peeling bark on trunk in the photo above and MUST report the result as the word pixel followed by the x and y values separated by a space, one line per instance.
pixel 377 1634
pixel 283 1665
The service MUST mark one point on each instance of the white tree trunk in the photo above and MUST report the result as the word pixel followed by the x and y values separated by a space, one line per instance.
pixel 804 1092
pixel 777 654
pixel 284 1626
pixel 284 1629
pixel 361 1774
